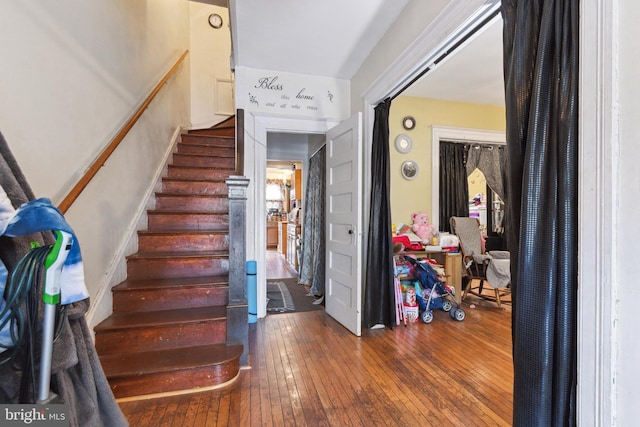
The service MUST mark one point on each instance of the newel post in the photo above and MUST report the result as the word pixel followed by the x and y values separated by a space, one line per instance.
pixel 237 309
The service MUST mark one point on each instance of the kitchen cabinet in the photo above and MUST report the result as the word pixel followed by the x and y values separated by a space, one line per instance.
pixel 296 185
pixel 282 238
pixel 272 234
pixel 293 230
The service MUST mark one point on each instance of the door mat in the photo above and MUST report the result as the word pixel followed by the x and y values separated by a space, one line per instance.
pixel 279 298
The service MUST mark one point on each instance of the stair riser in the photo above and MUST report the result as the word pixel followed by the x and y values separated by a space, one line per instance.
pixel 186 203
pixel 168 299
pixel 185 172
pixel 182 242
pixel 188 379
pixel 221 140
pixel 133 340
pixel 203 161
pixel 195 187
pixel 187 221
pixel 206 150
pixel 151 268
pixel 228 131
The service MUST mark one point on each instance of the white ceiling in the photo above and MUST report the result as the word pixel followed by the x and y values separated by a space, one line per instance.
pixel 329 38
pixel 473 73
pixel 333 38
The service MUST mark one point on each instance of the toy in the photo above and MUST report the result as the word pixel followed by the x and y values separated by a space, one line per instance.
pixel 422 227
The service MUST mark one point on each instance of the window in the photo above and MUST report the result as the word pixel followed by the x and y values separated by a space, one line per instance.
pixel 275 195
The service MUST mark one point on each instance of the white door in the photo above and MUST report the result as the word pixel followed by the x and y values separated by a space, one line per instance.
pixel 343 287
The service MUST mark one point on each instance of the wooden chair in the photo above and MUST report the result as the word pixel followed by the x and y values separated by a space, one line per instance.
pixel 481 267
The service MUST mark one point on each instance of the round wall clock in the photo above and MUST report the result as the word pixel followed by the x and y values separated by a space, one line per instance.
pixel 409 169
pixel 215 20
pixel 404 143
pixel 408 123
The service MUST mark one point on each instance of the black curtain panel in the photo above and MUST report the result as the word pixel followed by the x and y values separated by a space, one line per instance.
pixel 379 296
pixel 541 83
pixel 454 188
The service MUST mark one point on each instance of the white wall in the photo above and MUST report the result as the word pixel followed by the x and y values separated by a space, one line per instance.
pixel 412 21
pixel 211 76
pixel 627 372
pixel 73 73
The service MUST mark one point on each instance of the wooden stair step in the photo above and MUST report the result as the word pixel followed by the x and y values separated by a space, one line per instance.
pixel 203 161
pixel 155 330
pixel 189 186
pixel 217 139
pixel 206 149
pixel 138 374
pixel 163 219
pixel 199 172
pixel 151 265
pixel 184 240
pixel 165 294
pixel 229 131
pixel 176 201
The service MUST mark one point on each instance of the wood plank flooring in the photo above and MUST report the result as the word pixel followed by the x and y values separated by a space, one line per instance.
pixel 278 267
pixel 308 370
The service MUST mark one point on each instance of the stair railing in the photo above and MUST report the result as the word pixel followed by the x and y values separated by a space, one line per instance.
pixel 240 142
pixel 238 307
pixel 102 158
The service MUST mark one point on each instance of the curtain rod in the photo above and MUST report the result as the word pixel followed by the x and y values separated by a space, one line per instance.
pixel 472 142
pixel 451 50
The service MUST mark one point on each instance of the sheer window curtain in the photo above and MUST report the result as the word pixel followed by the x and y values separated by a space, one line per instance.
pixel 312 269
pixel 541 85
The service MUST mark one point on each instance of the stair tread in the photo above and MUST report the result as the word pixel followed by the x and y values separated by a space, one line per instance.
pixel 212 181
pixel 191 212
pixel 142 284
pixel 182 232
pixel 176 194
pixel 179 254
pixel 121 365
pixel 172 166
pixel 199 155
pixel 130 320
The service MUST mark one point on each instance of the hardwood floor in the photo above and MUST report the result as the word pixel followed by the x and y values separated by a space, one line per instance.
pixel 278 267
pixel 308 370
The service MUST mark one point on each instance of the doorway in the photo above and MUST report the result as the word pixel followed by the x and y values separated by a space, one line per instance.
pixel 266 127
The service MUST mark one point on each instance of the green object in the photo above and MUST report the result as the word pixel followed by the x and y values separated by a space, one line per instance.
pixel 53 266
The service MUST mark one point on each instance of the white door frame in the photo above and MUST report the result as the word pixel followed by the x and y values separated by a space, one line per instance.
pixel 256 170
pixel 597 192
pixel 439 133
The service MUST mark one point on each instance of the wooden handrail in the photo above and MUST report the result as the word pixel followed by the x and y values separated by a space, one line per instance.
pixel 102 158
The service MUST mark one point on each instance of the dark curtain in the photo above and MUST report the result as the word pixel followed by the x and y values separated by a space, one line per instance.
pixel 541 81
pixel 379 296
pixel 312 266
pixel 454 188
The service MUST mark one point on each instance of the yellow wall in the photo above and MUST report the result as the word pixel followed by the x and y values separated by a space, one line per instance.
pixel 412 196
pixel 477 183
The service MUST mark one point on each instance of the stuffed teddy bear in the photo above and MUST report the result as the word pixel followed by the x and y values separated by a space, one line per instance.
pixel 422 227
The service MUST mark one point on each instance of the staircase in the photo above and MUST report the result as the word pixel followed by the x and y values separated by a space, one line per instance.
pixel 168 330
